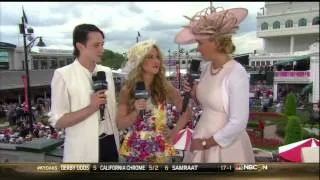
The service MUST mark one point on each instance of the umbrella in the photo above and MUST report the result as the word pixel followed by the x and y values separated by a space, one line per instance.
pixel 307 89
pixel 182 139
pixel 292 152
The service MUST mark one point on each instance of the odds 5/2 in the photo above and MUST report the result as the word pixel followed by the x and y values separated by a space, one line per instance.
pixel 153 168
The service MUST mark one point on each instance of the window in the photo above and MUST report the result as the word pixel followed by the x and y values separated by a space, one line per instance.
pixel 289 23
pixel 316 20
pixel 35 64
pixel 253 63
pixel 62 63
pixel 276 25
pixel 263 63
pixel 44 64
pixel 69 60
pixel 264 26
pixel 22 65
pixel 4 59
pixel 4 56
pixel 268 63
pixel 54 64
pixel 258 63
pixel 302 22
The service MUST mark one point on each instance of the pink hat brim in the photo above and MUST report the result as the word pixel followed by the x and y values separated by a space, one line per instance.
pixel 185 36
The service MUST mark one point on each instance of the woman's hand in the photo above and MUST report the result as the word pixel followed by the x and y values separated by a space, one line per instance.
pixel 196 145
pixel 140 104
pixel 169 134
pixel 187 87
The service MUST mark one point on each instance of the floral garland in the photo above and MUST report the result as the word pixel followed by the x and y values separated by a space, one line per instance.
pixel 146 143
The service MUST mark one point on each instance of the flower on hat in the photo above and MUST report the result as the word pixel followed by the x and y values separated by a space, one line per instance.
pixel 222 22
pixel 211 22
pixel 137 53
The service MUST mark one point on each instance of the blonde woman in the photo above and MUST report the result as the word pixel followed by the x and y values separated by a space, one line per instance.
pixel 148 138
pixel 223 91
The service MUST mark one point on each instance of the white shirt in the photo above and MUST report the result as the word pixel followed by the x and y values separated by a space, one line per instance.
pixel 105 125
pixel 71 88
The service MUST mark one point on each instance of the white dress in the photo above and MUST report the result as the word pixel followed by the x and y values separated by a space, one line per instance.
pixel 225 124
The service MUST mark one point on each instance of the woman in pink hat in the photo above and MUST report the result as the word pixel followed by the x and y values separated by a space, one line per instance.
pixel 148 138
pixel 223 91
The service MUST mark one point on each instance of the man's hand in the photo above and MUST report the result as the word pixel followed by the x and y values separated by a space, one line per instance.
pixel 97 99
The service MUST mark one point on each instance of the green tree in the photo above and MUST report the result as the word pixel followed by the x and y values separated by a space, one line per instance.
pixel 290 108
pixel 112 59
pixel 293 130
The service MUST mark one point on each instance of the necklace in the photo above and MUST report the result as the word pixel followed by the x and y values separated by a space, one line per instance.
pixel 217 70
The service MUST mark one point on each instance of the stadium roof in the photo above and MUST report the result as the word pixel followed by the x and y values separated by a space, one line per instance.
pixel 5 45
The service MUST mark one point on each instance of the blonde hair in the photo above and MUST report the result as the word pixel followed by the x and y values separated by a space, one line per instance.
pixel 159 86
pixel 225 44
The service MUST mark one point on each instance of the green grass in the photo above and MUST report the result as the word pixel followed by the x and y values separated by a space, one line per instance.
pixel 314 126
pixel 268 148
pixel 252 124
pixel 307 135
pixel 304 116
pixel 3 120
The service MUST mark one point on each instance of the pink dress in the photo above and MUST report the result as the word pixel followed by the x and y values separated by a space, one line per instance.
pixel 213 118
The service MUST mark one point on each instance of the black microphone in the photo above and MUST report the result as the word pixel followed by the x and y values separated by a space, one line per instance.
pixel 100 83
pixel 192 75
pixel 141 93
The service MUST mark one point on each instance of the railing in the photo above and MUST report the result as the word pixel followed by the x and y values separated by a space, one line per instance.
pixel 292 74
pixel 282 54
pixel 309 29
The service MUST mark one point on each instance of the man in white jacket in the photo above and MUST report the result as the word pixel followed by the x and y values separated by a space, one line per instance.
pixel 75 105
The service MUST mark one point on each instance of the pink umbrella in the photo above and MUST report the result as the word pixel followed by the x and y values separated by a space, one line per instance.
pixel 182 139
pixel 292 152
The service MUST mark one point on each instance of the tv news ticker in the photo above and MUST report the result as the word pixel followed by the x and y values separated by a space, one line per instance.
pixel 145 167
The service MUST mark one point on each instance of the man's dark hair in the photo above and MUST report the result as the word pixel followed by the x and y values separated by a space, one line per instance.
pixel 80 34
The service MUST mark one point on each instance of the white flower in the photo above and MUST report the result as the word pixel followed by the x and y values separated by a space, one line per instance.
pixel 137 53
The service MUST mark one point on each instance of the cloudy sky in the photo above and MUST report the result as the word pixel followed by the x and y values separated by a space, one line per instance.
pixel 120 22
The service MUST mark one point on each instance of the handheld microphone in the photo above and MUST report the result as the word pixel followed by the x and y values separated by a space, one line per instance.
pixel 192 75
pixel 100 83
pixel 141 93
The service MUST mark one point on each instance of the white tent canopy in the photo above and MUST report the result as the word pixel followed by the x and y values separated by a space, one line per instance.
pixel 119 72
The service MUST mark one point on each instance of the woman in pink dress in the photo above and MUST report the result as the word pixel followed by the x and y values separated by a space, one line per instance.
pixel 223 91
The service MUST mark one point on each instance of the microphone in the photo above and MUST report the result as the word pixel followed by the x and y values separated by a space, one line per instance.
pixel 100 83
pixel 141 93
pixel 192 75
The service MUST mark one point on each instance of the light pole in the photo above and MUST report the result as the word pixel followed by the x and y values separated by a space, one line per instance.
pixel 138 37
pixel 179 74
pixel 169 62
pixel 41 43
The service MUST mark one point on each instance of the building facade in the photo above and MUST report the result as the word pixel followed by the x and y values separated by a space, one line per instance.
pixel 290 33
pixel 41 67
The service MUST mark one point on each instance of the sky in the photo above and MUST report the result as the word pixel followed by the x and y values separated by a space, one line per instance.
pixel 120 21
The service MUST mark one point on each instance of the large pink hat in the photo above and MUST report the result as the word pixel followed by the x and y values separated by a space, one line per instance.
pixel 210 22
